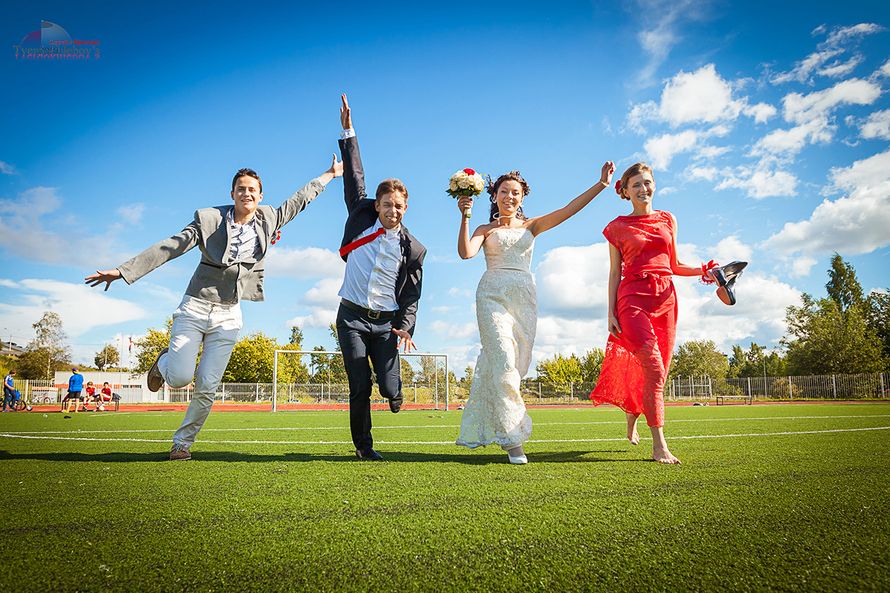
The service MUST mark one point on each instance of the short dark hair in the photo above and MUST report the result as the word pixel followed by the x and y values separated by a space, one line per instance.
pixel 391 186
pixel 245 172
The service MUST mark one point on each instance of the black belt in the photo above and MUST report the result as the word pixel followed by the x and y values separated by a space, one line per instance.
pixel 369 313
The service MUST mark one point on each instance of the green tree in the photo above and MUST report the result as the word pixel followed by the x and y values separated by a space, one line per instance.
pixel 698 358
pixel 756 362
pixel 560 371
pixel 407 370
pixel 843 286
pixel 877 317
pixel 150 345
pixel 591 365
pixel 252 360
pixel 824 339
pixel 467 380
pixel 107 357
pixel 296 337
pixel 48 351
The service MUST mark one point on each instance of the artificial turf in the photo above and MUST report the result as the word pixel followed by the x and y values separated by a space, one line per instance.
pixel 294 511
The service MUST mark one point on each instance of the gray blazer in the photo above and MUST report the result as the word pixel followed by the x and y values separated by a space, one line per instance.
pixel 217 279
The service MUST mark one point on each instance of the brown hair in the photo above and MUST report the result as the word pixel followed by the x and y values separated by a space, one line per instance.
pixel 245 172
pixel 635 169
pixel 492 190
pixel 389 186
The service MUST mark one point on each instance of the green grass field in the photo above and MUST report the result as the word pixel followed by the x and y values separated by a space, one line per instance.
pixel 775 497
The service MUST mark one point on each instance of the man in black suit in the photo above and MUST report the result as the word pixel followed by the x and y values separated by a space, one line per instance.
pixel 381 288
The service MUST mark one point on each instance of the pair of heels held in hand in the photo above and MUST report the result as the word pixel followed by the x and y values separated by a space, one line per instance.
pixel 725 277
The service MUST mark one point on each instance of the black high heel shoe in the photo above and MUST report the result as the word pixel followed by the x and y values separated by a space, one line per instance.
pixel 725 276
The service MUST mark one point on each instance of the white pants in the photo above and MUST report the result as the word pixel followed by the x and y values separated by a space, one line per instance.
pixel 197 322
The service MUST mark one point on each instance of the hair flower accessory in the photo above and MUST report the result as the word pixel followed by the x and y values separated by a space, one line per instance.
pixel 618 187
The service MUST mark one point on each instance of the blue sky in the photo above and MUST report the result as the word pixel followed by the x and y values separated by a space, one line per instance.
pixel 767 123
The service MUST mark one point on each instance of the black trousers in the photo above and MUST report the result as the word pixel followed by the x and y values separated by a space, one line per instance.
pixel 362 339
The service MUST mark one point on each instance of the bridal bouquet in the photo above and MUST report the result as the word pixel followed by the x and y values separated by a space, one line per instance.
pixel 465 183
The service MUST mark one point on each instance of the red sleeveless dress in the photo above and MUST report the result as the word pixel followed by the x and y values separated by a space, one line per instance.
pixel 636 364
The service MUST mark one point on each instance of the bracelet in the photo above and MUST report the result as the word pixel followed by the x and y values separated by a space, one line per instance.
pixel 705 277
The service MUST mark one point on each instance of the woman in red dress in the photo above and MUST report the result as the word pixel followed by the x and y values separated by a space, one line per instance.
pixel 642 309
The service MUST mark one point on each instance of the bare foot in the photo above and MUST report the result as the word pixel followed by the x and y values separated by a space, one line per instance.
pixel 664 456
pixel 632 435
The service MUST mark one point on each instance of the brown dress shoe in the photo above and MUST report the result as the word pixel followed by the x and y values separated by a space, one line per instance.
pixel 155 378
pixel 179 454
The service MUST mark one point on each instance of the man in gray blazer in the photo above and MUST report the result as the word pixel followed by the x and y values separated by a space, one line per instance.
pixel 233 241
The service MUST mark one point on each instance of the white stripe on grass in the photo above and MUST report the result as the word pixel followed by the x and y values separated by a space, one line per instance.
pixel 450 426
pixel 542 441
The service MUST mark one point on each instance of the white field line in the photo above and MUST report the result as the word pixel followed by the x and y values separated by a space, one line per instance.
pixel 542 441
pixel 450 426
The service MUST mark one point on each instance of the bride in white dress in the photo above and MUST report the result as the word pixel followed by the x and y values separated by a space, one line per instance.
pixel 507 310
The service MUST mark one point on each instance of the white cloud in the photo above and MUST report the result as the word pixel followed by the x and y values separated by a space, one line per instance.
pixel 661 150
pixel 572 280
pixel 132 213
pixel 730 249
pixel 852 224
pixel 7 169
pixel 761 112
pixel 27 231
pixel 838 69
pixel 805 68
pixel 791 141
pixel 322 301
pixel 698 97
pixel 80 307
pixel 801 266
pixel 831 48
pixel 706 173
pixel 460 292
pixel 885 69
pixel 844 34
pixel 803 109
pixel 877 125
pixel 308 262
pixel 318 317
pixel 8 283
pixel 759 182
pixel 811 112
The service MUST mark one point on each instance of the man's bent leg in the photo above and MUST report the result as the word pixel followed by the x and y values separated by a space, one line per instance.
pixel 219 340
pixel 383 349
pixel 352 333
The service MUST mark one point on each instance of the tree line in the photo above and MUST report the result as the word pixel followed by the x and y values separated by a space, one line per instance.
pixel 844 332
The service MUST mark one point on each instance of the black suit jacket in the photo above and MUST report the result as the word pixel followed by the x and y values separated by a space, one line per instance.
pixel 363 216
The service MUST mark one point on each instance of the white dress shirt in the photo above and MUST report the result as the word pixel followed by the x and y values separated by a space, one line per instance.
pixel 372 271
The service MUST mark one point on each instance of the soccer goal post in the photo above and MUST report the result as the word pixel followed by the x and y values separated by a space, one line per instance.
pixel 319 377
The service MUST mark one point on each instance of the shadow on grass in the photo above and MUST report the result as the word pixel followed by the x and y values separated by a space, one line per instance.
pixel 390 456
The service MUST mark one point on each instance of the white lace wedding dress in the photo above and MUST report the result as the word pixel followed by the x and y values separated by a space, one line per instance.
pixel 507 313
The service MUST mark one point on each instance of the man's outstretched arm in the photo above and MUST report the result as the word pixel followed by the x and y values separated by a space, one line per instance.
pixel 153 257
